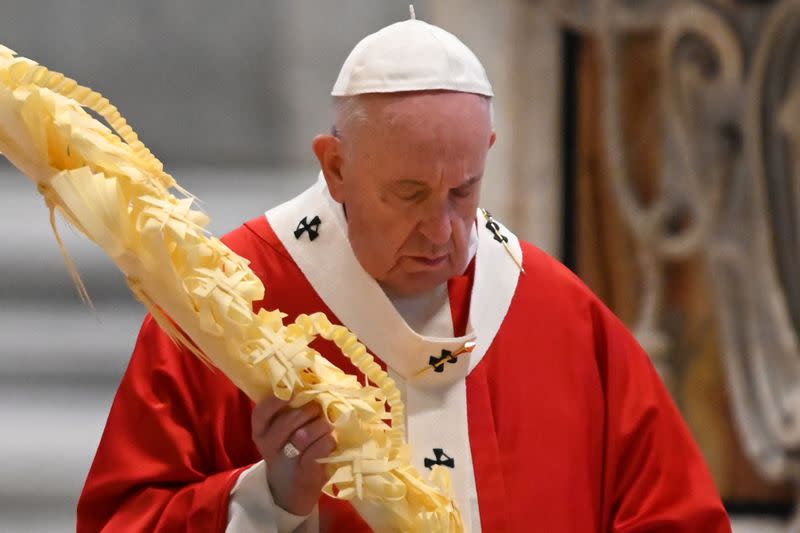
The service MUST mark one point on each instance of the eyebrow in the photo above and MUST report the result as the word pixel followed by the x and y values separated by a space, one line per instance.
pixel 414 182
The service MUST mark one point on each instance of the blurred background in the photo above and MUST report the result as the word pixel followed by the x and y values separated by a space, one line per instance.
pixel 650 145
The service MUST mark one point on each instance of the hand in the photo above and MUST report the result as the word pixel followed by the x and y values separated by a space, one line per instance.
pixel 296 483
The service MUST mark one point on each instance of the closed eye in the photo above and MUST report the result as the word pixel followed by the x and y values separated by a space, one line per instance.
pixel 461 192
pixel 466 190
pixel 411 196
pixel 410 191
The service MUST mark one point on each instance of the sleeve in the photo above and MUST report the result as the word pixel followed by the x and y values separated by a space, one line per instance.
pixel 656 479
pixel 252 509
pixel 162 463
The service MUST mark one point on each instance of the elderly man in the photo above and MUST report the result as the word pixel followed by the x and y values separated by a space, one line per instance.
pixel 555 421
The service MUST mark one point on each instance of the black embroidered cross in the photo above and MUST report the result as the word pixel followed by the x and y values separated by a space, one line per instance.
pixel 438 362
pixel 494 227
pixel 439 454
pixel 311 227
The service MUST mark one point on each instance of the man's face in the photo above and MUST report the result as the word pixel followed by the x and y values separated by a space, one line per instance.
pixel 409 177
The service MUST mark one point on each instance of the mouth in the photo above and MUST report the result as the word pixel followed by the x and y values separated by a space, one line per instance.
pixel 429 261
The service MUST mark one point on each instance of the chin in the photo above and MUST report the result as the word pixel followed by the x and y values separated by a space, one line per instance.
pixel 412 280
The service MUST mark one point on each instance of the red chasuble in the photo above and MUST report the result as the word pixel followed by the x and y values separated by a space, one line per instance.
pixel 564 425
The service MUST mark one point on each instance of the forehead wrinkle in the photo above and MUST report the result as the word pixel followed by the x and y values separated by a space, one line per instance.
pixel 419 136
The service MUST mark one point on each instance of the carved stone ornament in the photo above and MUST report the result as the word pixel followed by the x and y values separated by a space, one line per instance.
pixel 731 106
pixel 735 138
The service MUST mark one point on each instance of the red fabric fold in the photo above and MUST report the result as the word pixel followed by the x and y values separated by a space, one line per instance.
pixel 570 427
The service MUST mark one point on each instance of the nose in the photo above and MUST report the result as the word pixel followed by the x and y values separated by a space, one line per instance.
pixel 437 224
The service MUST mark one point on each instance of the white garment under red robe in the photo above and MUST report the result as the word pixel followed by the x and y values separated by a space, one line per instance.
pixel 556 422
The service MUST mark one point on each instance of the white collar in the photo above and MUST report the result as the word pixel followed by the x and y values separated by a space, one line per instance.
pixel 359 302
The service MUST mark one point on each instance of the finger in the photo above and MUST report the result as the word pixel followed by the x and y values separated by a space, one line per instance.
pixel 285 423
pixel 320 449
pixel 263 413
pixel 308 434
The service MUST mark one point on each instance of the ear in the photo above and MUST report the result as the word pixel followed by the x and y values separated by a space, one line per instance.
pixel 327 148
pixel 492 138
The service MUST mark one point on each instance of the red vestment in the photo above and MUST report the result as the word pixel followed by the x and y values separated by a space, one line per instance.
pixel 570 428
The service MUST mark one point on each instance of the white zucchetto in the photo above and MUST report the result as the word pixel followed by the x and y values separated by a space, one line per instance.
pixel 411 56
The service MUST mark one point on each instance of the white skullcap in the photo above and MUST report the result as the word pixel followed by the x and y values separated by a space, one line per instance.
pixel 411 56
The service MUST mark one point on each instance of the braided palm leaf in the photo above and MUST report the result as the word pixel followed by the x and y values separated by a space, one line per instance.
pixel 106 183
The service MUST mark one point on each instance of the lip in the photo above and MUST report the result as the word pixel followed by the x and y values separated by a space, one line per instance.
pixel 430 261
